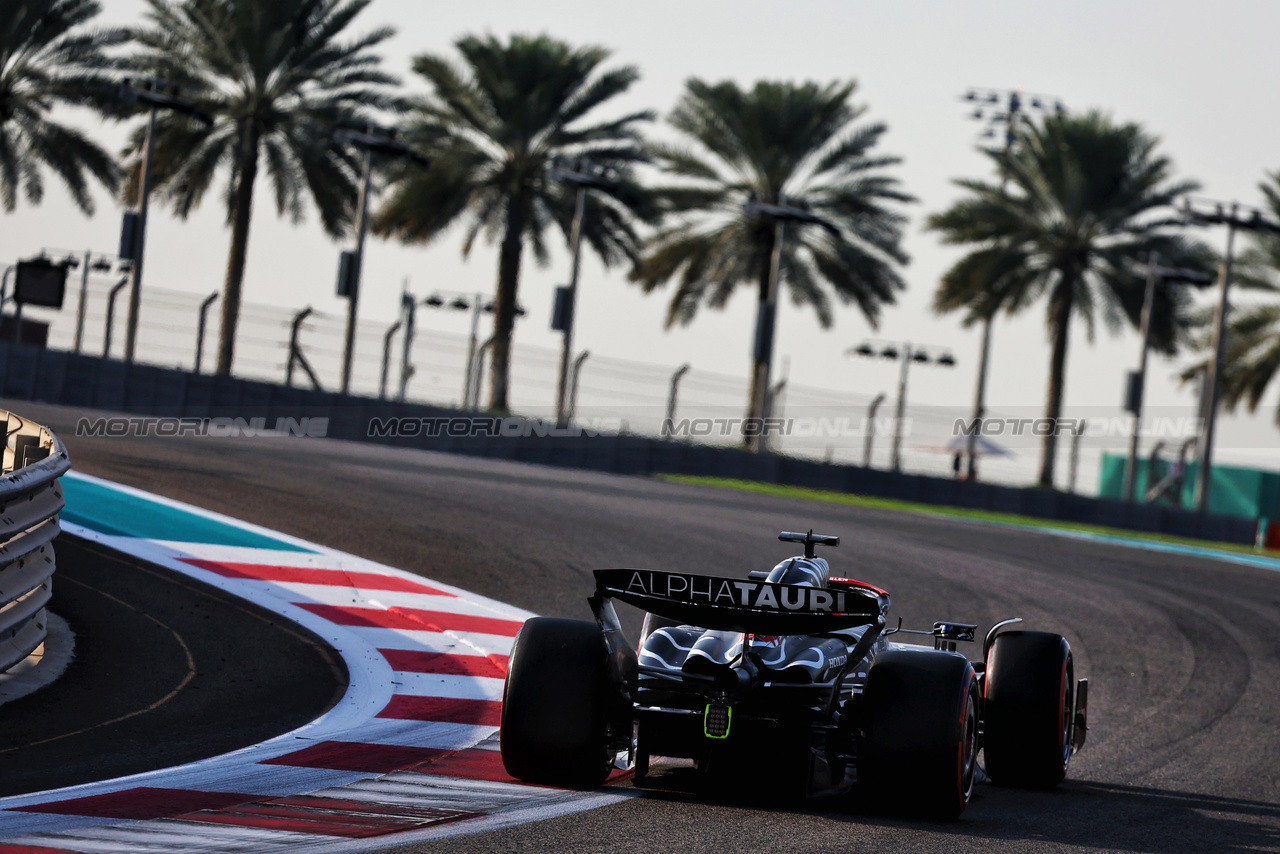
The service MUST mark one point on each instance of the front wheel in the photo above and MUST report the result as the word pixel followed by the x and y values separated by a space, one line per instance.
pixel 1028 709
pixel 555 705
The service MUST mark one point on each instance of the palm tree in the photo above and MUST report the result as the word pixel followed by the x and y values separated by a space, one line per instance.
pixel 491 129
pixel 780 143
pixel 1079 204
pixel 49 57
pixel 277 80
pixel 1251 349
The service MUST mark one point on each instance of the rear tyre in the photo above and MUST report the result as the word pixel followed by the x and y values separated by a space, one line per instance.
pixel 555 705
pixel 918 732
pixel 1028 708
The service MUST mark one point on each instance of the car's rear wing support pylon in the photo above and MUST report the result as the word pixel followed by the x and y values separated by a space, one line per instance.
pixel 623 665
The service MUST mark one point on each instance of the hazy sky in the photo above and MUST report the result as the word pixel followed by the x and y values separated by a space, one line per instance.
pixel 1201 76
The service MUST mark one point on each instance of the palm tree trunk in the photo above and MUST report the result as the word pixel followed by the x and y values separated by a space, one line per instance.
pixel 1059 324
pixel 759 370
pixel 239 249
pixel 504 306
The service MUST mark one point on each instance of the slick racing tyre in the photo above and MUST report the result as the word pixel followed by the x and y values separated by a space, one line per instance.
pixel 555 705
pixel 1028 709
pixel 918 732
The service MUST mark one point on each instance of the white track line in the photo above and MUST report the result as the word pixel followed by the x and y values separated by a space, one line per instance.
pixel 421 627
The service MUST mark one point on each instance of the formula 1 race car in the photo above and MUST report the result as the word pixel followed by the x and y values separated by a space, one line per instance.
pixel 791 674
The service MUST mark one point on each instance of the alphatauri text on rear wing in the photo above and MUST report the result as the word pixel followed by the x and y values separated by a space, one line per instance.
pixel 737 605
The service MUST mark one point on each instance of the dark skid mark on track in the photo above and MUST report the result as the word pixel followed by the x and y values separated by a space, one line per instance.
pixel 131 708
pixel 167 670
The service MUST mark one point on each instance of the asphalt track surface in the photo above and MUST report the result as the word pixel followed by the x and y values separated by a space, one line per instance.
pixel 1183 653
pixel 166 670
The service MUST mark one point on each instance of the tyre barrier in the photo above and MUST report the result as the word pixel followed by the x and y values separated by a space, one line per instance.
pixel 30 500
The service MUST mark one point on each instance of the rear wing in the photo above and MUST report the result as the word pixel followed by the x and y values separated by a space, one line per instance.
pixel 742 605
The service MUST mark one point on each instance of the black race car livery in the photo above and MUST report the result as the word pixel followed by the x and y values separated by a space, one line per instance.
pixel 790 671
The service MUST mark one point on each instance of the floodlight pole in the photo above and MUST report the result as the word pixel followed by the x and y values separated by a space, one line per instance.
pixel 1234 222
pixel 460 301
pixel 980 394
pixel 1205 474
pixel 909 353
pixel 371 139
pixel 156 99
pixel 82 306
pixel 135 290
pixel 1131 468
pixel 1015 107
pixel 1156 275
pixel 584 176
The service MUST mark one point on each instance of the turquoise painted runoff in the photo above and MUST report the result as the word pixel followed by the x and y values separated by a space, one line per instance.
pixel 1260 561
pixel 109 511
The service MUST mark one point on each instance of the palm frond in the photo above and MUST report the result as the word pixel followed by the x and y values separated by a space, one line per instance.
pixel 800 144
pixel 277 76
pixel 50 55
pixel 1083 199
